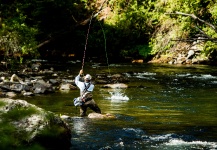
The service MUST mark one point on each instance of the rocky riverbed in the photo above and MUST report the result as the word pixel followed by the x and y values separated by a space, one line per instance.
pixel 31 126
pixel 33 80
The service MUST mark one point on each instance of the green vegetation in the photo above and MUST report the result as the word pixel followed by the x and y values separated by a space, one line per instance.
pixel 11 137
pixel 19 113
pixel 133 28
pixel 177 26
pixel 7 138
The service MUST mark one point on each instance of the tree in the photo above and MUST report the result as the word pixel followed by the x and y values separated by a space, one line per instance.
pixel 17 38
pixel 202 16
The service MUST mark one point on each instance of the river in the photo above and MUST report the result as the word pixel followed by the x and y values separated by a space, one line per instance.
pixel 166 107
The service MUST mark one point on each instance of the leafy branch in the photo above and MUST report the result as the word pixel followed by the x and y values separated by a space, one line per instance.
pixel 203 36
pixel 92 16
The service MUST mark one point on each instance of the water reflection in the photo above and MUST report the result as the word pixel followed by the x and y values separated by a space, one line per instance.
pixel 79 125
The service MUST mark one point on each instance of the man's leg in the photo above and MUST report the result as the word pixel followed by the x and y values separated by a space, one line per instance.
pixel 92 104
pixel 83 110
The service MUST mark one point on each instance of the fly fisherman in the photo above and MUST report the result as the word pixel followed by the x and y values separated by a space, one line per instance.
pixel 86 88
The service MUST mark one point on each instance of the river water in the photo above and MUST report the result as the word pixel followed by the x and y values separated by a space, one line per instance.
pixel 166 107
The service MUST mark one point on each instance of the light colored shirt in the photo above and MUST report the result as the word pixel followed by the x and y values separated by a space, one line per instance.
pixel 82 86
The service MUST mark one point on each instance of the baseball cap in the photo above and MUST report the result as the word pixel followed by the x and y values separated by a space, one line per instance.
pixel 87 77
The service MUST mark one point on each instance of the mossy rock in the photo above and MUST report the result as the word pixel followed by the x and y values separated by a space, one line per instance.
pixel 27 126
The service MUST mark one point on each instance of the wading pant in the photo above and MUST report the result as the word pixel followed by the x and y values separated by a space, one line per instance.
pixel 92 105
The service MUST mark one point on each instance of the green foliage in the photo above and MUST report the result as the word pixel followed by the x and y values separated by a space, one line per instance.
pixel 12 139
pixel 132 27
pixel 138 52
pixel 144 50
pixel 7 138
pixel 128 25
pixel 213 11
pixel 17 38
pixel 210 50
pixel 2 103
pixel 181 27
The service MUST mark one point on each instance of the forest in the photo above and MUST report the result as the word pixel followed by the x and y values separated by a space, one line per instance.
pixel 123 29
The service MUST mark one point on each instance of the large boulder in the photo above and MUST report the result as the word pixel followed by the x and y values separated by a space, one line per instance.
pixel 41 87
pixel 24 126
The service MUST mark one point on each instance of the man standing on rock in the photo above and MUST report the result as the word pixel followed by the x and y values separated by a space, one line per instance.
pixel 86 88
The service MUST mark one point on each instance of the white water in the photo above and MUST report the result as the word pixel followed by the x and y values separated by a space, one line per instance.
pixel 192 144
pixel 118 95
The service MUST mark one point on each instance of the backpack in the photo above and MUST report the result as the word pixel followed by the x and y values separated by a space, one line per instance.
pixel 78 101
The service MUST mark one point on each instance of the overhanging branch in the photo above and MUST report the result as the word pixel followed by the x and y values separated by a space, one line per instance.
pixel 204 36
pixel 196 18
pixel 93 15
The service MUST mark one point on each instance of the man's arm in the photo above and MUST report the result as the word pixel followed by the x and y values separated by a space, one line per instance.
pixel 78 77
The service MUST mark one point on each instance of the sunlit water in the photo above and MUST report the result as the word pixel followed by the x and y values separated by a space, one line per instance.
pixel 165 107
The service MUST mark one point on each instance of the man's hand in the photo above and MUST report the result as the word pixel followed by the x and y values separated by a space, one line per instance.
pixel 81 72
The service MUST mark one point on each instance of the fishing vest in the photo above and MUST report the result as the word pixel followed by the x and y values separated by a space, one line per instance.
pixel 86 95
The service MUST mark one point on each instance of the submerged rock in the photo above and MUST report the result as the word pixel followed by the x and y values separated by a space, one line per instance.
pixel 91 116
pixel 31 125
pixel 116 86
pixel 10 94
pixel 110 79
pixel 66 86
pixel 101 116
